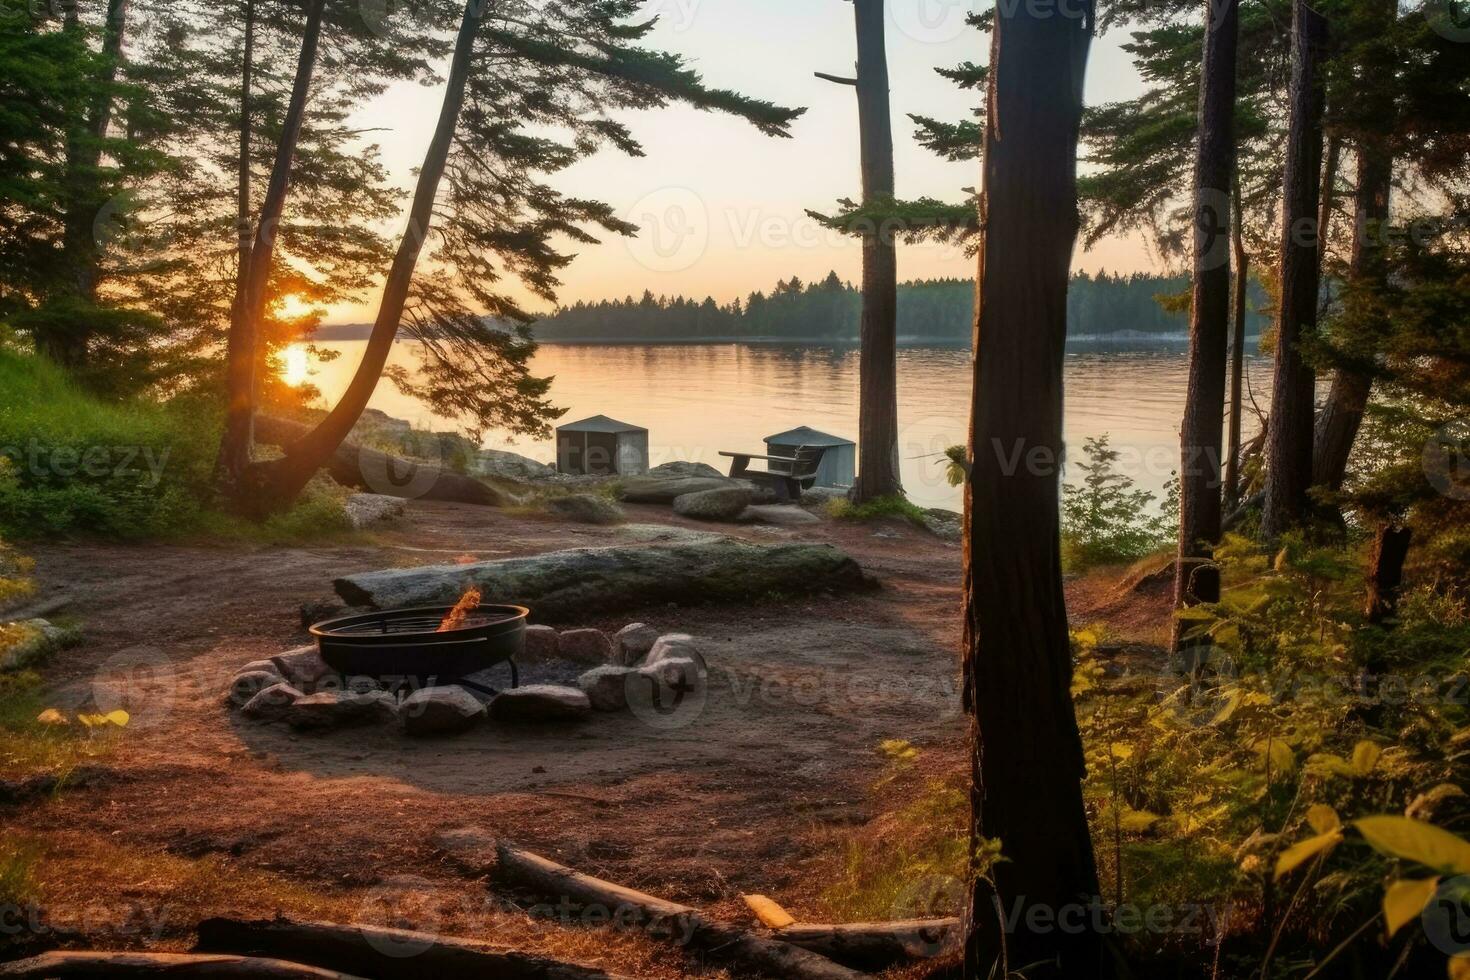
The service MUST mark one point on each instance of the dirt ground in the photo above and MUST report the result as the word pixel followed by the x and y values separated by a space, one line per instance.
pixel 200 812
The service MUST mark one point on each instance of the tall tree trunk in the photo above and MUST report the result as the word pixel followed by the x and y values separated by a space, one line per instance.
pixel 276 483
pixel 1289 443
pixel 1386 572
pixel 1196 578
pixel 1327 205
pixel 1240 285
pixel 243 227
pixel 1342 413
pixel 1027 762
pixel 878 368
pixel 82 258
pixel 244 340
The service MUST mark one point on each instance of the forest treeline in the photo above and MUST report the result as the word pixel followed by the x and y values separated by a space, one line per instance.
pixel 929 311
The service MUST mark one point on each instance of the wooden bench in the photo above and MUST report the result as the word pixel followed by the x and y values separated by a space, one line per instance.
pixel 788 479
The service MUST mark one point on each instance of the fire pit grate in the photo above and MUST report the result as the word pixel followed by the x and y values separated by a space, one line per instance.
pixel 407 644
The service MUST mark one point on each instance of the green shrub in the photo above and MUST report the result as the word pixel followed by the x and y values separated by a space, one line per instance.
pixel 1106 520
pixel 893 506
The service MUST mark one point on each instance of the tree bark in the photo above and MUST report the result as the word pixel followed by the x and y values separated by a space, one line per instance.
pixel 1289 442
pixel 878 365
pixel 242 176
pixel 1342 413
pixel 875 945
pixel 387 954
pixel 1197 579
pixel 1386 572
pixel 1027 760
pixel 244 341
pixel 97 965
pixel 1241 285
pixel 275 484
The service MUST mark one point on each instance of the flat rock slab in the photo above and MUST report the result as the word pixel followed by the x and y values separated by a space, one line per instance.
pixel 540 703
pixel 724 504
pixel 785 515
pixel 664 489
pixel 562 585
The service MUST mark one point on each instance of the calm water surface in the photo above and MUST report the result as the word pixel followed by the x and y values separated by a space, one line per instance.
pixel 696 400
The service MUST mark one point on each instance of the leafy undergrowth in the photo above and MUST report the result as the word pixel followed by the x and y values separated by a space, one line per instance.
pixel 1106 520
pixel 74 463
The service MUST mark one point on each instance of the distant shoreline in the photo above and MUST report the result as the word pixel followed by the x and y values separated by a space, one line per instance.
pixel 356 331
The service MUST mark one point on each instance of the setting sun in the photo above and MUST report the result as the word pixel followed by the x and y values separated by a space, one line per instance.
pixel 295 366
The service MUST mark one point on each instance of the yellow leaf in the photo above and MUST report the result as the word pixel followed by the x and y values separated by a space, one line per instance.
pixel 1414 840
pixel 1136 821
pixel 1122 750
pixel 1365 757
pixel 92 720
pixel 120 718
pixel 51 717
pixel 1459 968
pixel 1322 818
pixel 1309 848
pixel 1278 753
pixel 1405 899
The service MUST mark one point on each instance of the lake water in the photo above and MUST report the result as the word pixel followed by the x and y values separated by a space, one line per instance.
pixel 696 400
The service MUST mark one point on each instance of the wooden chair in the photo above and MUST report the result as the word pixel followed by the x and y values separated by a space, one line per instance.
pixel 787 476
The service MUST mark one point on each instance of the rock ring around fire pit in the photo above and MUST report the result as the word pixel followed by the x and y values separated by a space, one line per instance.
pixel 430 682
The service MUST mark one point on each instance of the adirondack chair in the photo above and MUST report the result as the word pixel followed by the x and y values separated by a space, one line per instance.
pixel 787 476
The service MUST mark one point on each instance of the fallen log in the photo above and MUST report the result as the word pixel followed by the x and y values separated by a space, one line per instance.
pixel 603 902
pixel 875 945
pixel 386 954
pixel 565 584
pixel 98 965
pixel 354 465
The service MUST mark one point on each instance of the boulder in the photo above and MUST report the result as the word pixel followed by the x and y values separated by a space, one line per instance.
pixel 674 646
pixel 248 684
pixel 446 710
pixel 785 515
pixel 606 687
pixel 540 703
pixel 269 665
pixel 366 510
pixel 665 489
pixel 337 709
pixel 585 508
pixel 302 667
pixel 33 640
pixel 561 585
pixel 272 704
pixel 542 643
pixel 675 673
pixel 946 524
pixel 682 468
pixel 724 504
pixel 632 643
pixel 585 646
pixel 509 466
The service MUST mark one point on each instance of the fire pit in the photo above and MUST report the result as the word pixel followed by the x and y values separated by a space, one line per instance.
pixel 423 646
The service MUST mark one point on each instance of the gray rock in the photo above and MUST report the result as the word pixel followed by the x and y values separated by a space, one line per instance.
pixel 724 504
pixel 946 524
pixel 248 684
pixel 269 665
pixel 508 465
pixel 338 709
pixel 586 646
pixel 37 639
pixel 632 643
pixel 785 515
pixel 667 534
pixel 302 667
pixel 675 673
pixel 366 510
pixel 543 643
pixel 674 646
pixel 272 704
pixel 540 703
pixel 585 508
pixel 446 710
pixel 682 468
pixel 821 496
pixel 665 489
pixel 579 582
pixel 606 687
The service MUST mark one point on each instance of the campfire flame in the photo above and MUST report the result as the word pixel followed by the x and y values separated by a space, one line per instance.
pixel 462 609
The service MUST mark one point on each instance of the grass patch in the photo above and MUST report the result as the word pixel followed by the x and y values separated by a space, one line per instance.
pixel 879 509
pixel 911 861
pixel 27 746
pixel 18 860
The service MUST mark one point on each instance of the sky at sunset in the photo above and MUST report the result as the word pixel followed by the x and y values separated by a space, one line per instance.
pixel 721 206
